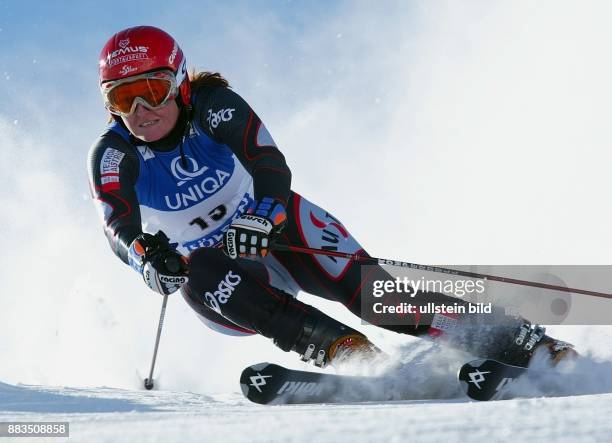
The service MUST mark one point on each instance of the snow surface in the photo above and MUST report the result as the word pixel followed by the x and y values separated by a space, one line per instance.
pixel 108 414
pixel 117 415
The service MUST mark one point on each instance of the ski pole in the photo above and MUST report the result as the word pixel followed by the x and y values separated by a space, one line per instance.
pixel 383 261
pixel 148 382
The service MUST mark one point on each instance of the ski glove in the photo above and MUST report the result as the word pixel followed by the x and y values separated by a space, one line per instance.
pixel 163 269
pixel 252 234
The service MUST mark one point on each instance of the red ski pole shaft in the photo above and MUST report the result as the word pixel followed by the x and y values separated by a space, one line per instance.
pixel 403 264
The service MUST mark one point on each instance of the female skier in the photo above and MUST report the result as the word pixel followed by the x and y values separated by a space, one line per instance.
pixel 194 193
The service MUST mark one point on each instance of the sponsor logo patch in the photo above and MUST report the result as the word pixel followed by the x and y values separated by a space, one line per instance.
pixel 225 289
pixel 215 118
pixel 442 324
pixel 254 222
pixel 109 169
pixel 195 192
pixel 172 279
pixel 230 243
pixel 322 230
pixel 184 175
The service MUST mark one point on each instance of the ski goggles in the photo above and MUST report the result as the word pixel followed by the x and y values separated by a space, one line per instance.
pixel 151 89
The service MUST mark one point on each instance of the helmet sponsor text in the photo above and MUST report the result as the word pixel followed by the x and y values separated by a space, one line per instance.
pixel 126 53
pixel 127 69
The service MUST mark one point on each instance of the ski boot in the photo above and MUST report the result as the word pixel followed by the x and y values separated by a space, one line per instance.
pixel 531 339
pixel 327 341
pixel 353 347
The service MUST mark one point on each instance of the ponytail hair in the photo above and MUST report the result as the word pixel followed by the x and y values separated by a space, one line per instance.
pixel 207 78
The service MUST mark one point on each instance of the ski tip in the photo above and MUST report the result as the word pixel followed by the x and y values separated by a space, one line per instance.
pixel 245 389
pixel 258 366
pixel 487 379
pixel 246 381
pixel 475 363
pixel 463 369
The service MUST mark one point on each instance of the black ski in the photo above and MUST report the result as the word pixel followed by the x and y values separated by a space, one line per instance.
pixel 485 379
pixel 267 383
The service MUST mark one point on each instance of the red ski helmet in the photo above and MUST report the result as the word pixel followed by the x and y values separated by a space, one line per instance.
pixel 141 49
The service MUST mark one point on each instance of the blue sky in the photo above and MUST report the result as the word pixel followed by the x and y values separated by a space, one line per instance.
pixel 60 41
pixel 49 50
